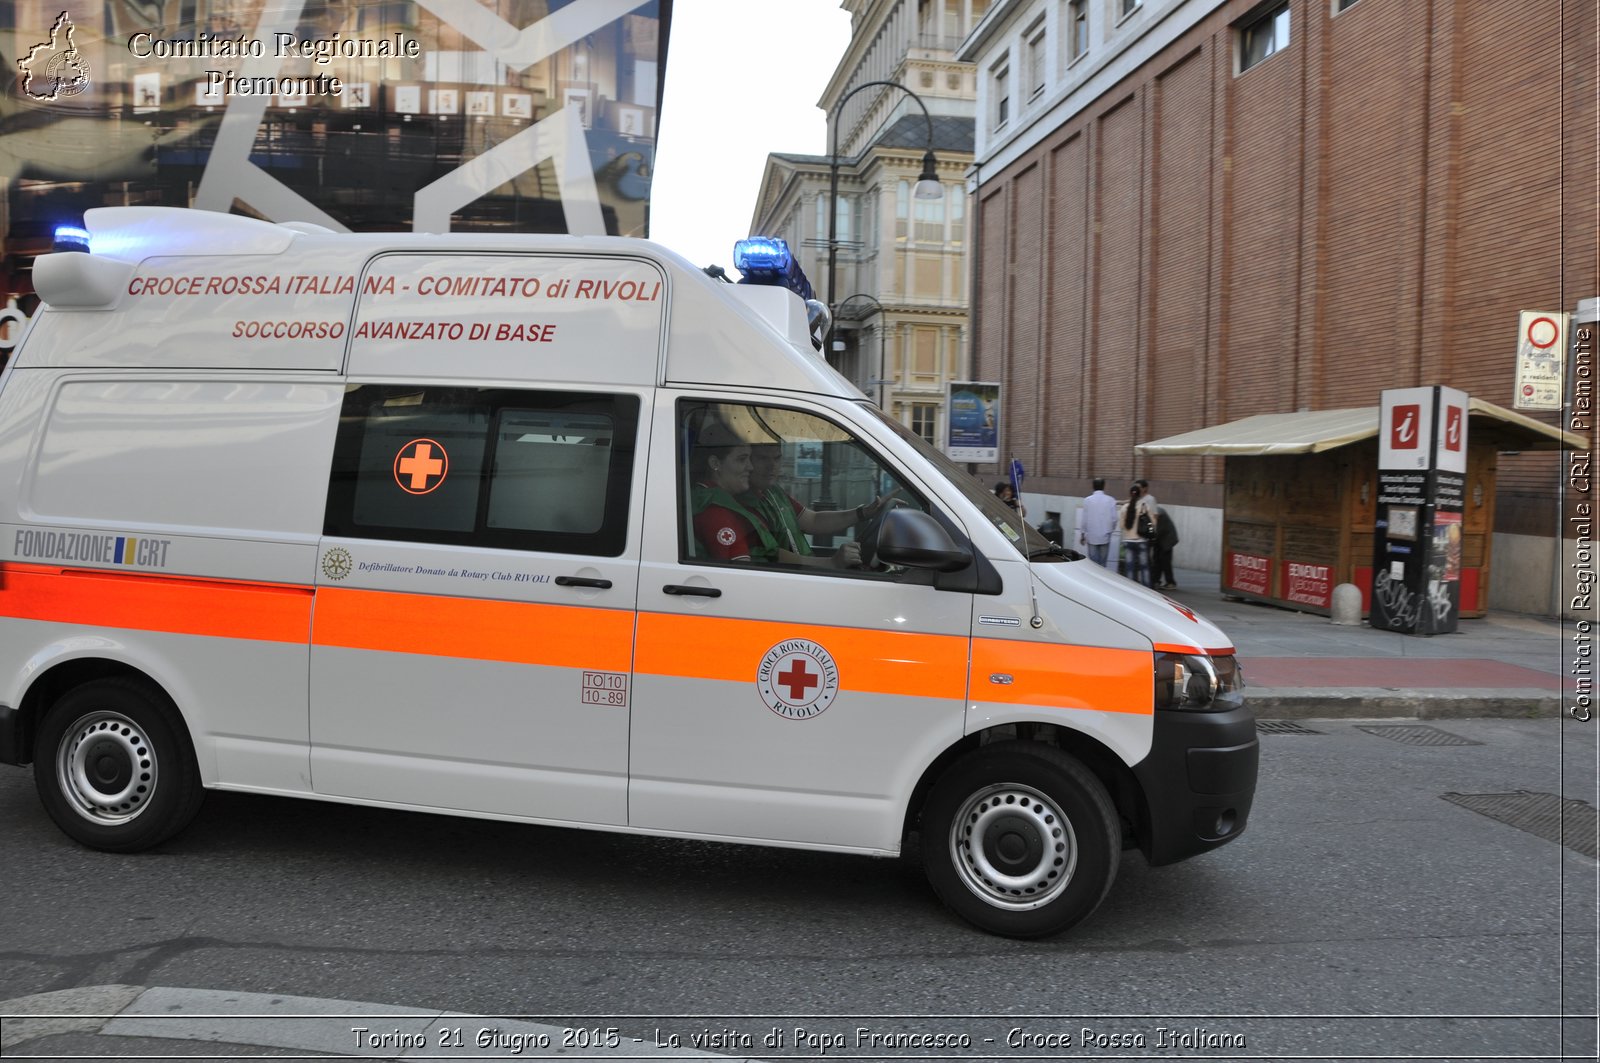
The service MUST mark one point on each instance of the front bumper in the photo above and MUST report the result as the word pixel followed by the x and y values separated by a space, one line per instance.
pixel 1199 781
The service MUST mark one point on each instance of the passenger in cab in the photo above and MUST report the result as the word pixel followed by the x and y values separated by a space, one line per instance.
pixel 723 525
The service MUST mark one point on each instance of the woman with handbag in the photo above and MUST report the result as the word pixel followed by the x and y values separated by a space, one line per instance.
pixel 1137 522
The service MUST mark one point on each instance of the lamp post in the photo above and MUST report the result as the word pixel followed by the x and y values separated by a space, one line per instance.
pixel 928 186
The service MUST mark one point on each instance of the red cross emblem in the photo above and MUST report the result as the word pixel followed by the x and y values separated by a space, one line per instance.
pixel 421 466
pixel 798 679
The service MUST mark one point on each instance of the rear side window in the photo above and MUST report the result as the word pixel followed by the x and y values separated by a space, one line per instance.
pixel 549 471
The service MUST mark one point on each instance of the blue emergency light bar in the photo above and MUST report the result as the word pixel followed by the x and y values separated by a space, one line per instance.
pixel 70 238
pixel 767 260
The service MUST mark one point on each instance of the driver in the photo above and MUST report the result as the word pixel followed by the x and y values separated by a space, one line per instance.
pixel 789 520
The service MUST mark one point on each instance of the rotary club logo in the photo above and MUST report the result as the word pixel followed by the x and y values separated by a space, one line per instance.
pixel 336 563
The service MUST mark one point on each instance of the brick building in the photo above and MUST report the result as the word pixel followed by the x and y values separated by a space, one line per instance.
pixel 1188 212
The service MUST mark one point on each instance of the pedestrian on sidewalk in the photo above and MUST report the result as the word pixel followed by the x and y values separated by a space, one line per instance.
pixel 1149 498
pixel 1161 552
pixel 1137 525
pixel 1099 519
pixel 1008 494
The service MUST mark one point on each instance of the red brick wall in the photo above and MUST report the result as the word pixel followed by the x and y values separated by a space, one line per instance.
pixel 1065 382
pixel 1369 208
pixel 991 290
pixel 1021 414
pixel 1372 149
pixel 1179 277
pixel 1116 418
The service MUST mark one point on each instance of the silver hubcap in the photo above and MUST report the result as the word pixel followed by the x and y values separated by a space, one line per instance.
pixel 106 768
pixel 1013 847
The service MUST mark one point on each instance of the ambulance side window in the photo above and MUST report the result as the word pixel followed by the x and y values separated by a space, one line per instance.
pixel 779 487
pixel 523 470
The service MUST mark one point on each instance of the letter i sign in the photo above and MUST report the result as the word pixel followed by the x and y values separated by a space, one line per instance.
pixel 1453 428
pixel 1405 428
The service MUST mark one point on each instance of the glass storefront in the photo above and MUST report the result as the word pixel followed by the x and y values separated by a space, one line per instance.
pixel 367 115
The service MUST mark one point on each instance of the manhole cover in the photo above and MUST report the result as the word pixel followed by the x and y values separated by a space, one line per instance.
pixel 1572 823
pixel 1414 734
pixel 1283 727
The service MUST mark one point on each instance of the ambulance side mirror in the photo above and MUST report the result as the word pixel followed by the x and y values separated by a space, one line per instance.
pixel 915 539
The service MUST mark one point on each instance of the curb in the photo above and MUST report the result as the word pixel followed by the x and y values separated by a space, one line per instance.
pixel 1286 703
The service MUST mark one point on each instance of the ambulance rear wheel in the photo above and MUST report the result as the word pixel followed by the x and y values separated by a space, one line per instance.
pixel 1020 839
pixel 114 766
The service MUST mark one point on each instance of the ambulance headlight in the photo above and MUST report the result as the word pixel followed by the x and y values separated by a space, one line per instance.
pixel 1198 683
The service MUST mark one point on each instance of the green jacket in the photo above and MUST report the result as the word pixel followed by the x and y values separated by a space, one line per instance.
pixel 777 510
pixel 766 547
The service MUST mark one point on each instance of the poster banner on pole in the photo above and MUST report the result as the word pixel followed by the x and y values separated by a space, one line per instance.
pixel 974 433
pixel 1541 360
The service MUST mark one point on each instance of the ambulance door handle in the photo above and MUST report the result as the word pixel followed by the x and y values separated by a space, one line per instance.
pixel 699 592
pixel 582 581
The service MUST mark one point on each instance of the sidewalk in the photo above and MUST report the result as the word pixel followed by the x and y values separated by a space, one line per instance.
pixel 1300 665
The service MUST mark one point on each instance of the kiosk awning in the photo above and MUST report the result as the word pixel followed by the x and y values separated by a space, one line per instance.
pixel 1319 430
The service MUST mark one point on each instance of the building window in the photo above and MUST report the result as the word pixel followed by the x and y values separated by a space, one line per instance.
pixel 1266 35
pixel 1127 7
pixel 1036 60
pixel 1343 5
pixel 1000 89
pixel 930 221
pixel 925 421
pixel 843 225
pixel 925 352
pixel 1078 30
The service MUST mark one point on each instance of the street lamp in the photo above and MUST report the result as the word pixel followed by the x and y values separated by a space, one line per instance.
pixel 928 186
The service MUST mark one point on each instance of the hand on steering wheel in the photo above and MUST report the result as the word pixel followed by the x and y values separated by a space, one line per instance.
pixel 867 535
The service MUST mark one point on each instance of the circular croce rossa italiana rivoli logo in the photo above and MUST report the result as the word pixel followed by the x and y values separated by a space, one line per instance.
pixel 798 679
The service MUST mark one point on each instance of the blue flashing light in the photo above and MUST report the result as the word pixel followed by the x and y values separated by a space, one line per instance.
pixel 767 260
pixel 70 238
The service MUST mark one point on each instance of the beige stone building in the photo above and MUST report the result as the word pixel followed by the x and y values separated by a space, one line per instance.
pixel 900 281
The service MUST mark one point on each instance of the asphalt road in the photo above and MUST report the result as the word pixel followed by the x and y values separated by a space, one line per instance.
pixel 1360 914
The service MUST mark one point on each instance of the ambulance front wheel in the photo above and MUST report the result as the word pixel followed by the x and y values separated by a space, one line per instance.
pixel 1020 839
pixel 114 766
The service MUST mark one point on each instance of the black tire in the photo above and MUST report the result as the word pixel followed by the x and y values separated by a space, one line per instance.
pixel 114 766
pixel 1020 839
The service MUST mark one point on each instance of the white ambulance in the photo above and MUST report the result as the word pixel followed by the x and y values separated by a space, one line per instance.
pixel 558 530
